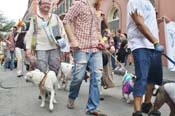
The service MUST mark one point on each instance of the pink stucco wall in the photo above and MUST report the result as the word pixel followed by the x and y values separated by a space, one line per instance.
pixel 107 5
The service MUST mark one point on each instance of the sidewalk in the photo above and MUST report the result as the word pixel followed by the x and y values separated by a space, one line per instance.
pixel 18 98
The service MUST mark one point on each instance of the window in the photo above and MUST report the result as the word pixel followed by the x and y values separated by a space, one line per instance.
pixel 114 18
pixel 62 8
pixel 116 14
pixel 153 2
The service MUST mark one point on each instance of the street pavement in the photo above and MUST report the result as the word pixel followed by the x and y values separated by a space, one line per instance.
pixel 18 98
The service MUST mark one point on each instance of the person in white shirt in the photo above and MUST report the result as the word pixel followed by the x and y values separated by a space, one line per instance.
pixel 143 40
pixel 49 28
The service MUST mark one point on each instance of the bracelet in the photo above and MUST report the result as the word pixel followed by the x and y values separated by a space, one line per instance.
pixel 156 42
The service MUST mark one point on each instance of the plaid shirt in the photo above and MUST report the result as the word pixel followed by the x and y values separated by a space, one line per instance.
pixel 11 44
pixel 86 25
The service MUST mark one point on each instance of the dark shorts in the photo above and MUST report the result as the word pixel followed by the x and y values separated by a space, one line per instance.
pixel 148 69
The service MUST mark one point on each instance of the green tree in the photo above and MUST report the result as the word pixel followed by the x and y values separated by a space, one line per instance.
pixel 5 25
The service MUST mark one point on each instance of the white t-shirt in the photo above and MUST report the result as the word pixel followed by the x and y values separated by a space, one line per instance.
pixel 170 43
pixel 135 38
pixel 169 88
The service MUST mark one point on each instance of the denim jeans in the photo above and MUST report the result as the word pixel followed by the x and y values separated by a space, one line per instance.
pixel 94 61
pixel 48 59
pixel 113 62
pixel 9 60
pixel 148 69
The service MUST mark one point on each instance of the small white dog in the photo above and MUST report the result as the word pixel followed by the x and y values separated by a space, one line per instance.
pixel 64 74
pixel 47 83
pixel 127 85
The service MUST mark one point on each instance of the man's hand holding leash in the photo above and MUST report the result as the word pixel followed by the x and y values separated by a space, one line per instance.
pixel 158 47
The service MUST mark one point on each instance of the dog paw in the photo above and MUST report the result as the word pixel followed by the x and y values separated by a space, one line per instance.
pixel 55 102
pixel 51 107
pixel 59 87
pixel 42 105
pixel 65 89
pixel 128 101
pixel 64 86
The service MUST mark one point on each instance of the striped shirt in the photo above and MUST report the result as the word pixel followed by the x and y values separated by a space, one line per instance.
pixel 86 25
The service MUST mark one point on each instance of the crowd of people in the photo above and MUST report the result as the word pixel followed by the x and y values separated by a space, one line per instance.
pixel 94 47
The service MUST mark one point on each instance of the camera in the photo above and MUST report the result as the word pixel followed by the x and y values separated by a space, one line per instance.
pixel 57 37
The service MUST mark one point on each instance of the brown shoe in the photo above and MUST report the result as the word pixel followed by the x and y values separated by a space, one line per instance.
pixel 70 104
pixel 96 113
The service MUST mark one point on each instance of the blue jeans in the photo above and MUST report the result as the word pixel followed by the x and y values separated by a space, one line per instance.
pixel 113 62
pixel 94 61
pixel 148 69
pixel 9 60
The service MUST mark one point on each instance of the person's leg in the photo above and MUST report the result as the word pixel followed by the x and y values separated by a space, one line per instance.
pixel 154 77
pixel 126 60
pixel 80 64
pixel 130 59
pixel 146 105
pixel 96 69
pixel 42 60
pixel 19 62
pixel 12 60
pixel 137 103
pixel 161 98
pixel 23 60
pixel 149 91
pixel 141 61
pixel 5 63
pixel 53 60
pixel 113 62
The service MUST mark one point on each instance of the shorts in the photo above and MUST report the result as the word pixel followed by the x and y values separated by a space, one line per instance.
pixel 148 69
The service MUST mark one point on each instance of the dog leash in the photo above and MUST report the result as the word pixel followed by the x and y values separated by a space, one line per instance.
pixel 42 82
pixel 166 56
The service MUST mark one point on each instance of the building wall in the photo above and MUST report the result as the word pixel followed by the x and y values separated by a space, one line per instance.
pixel 165 8
pixel 108 6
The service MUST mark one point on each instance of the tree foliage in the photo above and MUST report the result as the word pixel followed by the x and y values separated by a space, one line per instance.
pixel 5 24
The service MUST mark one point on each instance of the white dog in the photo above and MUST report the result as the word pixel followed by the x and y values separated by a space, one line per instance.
pixel 47 83
pixel 64 74
pixel 127 85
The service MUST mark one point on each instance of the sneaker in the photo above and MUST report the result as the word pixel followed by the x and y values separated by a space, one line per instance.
pixel 96 113
pixel 20 76
pixel 138 113
pixel 146 107
pixel 101 98
pixel 70 104
pixel 39 97
pixel 154 113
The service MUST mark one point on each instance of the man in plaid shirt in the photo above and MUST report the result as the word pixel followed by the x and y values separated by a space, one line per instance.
pixel 83 29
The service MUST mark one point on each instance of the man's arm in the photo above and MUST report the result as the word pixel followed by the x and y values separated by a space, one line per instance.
pixel 139 21
pixel 28 39
pixel 70 35
pixel 7 39
pixel 70 17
